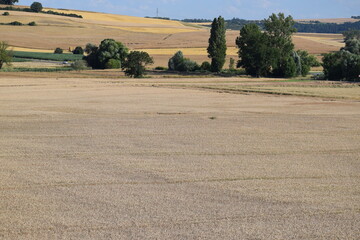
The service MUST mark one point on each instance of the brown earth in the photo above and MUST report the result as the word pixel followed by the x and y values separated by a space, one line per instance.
pixel 155 159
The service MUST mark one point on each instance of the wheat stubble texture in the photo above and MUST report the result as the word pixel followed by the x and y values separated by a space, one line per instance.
pixel 93 159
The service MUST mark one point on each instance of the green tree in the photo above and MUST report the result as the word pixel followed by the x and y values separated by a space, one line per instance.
pixel 136 62
pixel 217 44
pixel 175 61
pixel 344 64
pixel 5 55
pixel 279 30
pixel 352 41
pixel 306 62
pixel 254 53
pixel 58 51
pixel 179 63
pixel 271 53
pixel 205 66
pixel 36 7
pixel 113 64
pixel 78 50
pixel 351 34
pixel 8 2
pixel 98 57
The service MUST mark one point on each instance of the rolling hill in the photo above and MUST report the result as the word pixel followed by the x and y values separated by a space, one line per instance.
pixel 161 38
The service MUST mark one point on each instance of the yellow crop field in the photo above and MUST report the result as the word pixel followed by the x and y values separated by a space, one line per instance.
pixel 186 51
pixel 31 50
pixel 159 30
pixel 326 40
pixel 118 18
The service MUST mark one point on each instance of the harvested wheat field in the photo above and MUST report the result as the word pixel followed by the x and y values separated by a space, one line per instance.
pixel 158 159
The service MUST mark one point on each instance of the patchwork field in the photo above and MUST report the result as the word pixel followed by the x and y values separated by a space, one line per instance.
pixel 161 37
pixel 176 159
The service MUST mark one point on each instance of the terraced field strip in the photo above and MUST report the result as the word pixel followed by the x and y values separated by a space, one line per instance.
pixel 186 51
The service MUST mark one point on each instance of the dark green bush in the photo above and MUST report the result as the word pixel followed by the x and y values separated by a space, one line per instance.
pixel 58 51
pixel 113 64
pixel 6 14
pixel 16 23
pixel 78 50
pixel 32 24
pixel 36 7
pixel 179 63
pixel 188 65
pixel 159 68
pixel 205 66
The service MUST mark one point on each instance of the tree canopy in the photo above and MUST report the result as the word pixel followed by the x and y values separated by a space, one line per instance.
pixel 217 44
pixel 5 55
pixel 36 7
pixel 8 2
pixel 271 53
pixel 344 64
pixel 109 49
pixel 179 63
pixel 135 64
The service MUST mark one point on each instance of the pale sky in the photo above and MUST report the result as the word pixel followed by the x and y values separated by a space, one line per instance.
pixel 246 9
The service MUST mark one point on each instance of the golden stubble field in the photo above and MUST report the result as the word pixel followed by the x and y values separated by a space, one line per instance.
pixel 161 38
pixel 167 159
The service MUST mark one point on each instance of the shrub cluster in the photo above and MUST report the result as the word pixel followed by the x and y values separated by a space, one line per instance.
pixel 179 63
pixel 16 23
pixel 110 54
pixel 78 50
pixel 58 51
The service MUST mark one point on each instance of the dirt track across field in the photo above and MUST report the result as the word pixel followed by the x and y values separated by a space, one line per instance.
pixel 102 159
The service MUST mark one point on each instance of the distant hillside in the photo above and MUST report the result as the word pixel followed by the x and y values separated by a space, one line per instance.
pixel 305 26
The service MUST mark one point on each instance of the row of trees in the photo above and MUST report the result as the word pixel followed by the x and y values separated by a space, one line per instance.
pixel 111 54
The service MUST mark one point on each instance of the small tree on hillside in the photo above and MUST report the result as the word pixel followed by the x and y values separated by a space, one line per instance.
pixel 58 51
pixel 78 50
pixel 179 63
pixel 8 2
pixel 217 44
pixel 5 55
pixel 36 7
pixel 109 49
pixel 136 62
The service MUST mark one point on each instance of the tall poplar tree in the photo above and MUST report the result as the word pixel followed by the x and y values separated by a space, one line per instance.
pixel 217 44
